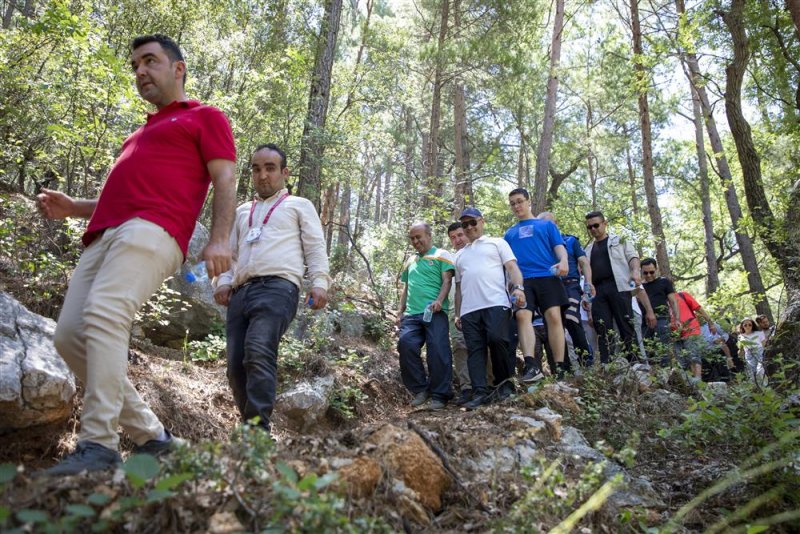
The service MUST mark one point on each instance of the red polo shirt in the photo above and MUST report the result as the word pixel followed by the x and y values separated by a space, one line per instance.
pixel 161 174
pixel 687 306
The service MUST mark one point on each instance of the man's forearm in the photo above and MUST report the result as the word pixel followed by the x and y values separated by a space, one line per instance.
pixel 514 274
pixel 223 209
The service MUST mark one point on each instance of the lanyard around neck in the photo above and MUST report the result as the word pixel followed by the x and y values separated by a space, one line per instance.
pixel 269 213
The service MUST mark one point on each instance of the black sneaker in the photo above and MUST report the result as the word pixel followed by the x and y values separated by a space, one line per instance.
pixel 88 456
pixel 504 391
pixel 477 401
pixel 420 399
pixel 158 448
pixel 531 375
pixel 437 404
pixel 464 397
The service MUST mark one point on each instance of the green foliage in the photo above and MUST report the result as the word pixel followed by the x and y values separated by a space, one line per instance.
pixel 345 400
pixel 209 349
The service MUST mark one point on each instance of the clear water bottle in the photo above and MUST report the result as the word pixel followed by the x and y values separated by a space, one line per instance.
pixel 554 270
pixel 632 284
pixel 427 315
pixel 587 293
pixel 198 273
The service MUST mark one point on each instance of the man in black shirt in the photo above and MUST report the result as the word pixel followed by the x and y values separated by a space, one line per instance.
pixel 662 297
pixel 615 272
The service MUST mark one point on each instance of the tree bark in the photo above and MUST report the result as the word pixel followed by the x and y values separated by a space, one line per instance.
pixel 313 146
pixel 328 213
pixel 712 279
pixel 546 141
pixel 782 240
pixel 463 188
pixel 793 6
pixel 343 240
pixel 387 187
pixel 653 208
pixel 745 243
pixel 434 186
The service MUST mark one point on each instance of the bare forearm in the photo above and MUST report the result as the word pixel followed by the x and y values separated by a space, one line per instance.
pixel 84 208
pixel 223 209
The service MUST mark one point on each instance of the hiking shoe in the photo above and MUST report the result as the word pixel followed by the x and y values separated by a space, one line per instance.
pixel 420 399
pixel 505 391
pixel 534 374
pixel 158 448
pixel 437 404
pixel 88 456
pixel 464 397
pixel 477 401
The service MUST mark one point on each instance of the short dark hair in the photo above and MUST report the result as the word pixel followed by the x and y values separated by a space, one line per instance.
pixel 274 148
pixel 454 226
pixel 170 47
pixel 593 214
pixel 520 191
pixel 649 261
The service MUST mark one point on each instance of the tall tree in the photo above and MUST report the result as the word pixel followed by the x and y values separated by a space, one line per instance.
pixel 546 141
pixel 712 279
pixel 743 240
pixel 463 188
pixel 432 164
pixel 313 144
pixel 782 238
pixel 643 84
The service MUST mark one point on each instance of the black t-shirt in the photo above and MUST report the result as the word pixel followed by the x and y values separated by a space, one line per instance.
pixel 601 263
pixel 657 292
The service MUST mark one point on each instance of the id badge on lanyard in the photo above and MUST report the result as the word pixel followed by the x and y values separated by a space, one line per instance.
pixel 254 234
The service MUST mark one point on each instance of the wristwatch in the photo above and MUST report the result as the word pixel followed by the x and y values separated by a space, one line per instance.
pixel 514 287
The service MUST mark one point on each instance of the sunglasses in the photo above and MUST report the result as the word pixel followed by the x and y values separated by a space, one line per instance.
pixel 648 272
pixel 591 226
pixel 468 223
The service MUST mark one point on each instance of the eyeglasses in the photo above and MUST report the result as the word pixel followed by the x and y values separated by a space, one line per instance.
pixel 591 226
pixel 469 222
pixel 513 203
pixel 648 272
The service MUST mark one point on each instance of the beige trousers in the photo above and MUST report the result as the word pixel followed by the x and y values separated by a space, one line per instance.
pixel 115 276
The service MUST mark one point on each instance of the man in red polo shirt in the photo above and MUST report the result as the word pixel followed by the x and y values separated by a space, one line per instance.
pixel 138 234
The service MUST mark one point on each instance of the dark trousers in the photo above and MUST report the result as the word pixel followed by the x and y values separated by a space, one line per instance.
pixel 571 317
pixel 258 316
pixel 658 341
pixel 611 307
pixel 487 330
pixel 414 332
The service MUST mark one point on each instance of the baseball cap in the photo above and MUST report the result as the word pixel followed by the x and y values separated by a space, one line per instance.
pixel 471 212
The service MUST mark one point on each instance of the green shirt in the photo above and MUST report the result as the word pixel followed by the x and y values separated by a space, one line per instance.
pixel 423 274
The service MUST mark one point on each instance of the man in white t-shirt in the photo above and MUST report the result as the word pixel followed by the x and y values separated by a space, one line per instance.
pixel 483 307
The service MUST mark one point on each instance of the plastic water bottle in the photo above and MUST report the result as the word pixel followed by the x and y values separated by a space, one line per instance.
pixel 310 301
pixel 198 273
pixel 632 284
pixel 554 270
pixel 587 293
pixel 427 315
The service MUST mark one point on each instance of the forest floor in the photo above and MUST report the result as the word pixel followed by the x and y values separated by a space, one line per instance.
pixel 195 402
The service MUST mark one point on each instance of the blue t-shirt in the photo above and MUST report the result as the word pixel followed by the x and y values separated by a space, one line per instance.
pixel 532 242
pixel 574 251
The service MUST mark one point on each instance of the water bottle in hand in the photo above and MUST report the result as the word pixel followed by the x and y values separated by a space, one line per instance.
pixel 587 293
pixel 427 315
pixel 632 284
pixel 554 270
pixel 198 273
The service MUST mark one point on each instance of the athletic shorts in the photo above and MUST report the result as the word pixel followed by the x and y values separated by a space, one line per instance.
pixel 574 295
pixel 543 293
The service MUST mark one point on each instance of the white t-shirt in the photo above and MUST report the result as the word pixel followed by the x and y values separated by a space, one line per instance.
pixel 481 273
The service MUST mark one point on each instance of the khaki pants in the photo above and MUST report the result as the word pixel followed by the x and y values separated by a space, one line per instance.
pixel 116 275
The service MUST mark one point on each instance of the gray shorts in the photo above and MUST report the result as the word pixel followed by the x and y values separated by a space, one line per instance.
pixel 691 350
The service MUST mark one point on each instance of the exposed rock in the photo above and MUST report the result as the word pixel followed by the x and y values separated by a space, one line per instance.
pixel 718 389
pixel 192 322
pixel 552 420
pixel 360 477
pixel 36 386
pixel 408 503
pixel 634 492
pixel 306 403
pixel 224 523
pixel 350 323
pixel 557 396
pixel 406 456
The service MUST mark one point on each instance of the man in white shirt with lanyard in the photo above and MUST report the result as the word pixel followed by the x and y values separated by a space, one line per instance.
pixel 277 239
pixel 483 308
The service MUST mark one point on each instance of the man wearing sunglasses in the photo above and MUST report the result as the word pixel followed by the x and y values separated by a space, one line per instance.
pixel 482 306
pixel 615 272
pixel 663 298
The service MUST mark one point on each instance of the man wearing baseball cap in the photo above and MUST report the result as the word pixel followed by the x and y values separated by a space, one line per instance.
pixel 483 308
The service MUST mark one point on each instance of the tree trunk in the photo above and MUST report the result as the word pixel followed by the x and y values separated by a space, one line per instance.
pixel 313 146
pixel 463 188
pixel 434 186
pixel 653 208
pixel 590 155
pixel 546 141
pixel 523 164
pixel 793 6
pixel 782 240
pixel 712 280
pixel 343 240
pixel 745 243
pixel 8 15
pixel 387 188
pixel 328 213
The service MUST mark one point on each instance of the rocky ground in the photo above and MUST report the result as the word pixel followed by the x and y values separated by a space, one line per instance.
pixel 447 471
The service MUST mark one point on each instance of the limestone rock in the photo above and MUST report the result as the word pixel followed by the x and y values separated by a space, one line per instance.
pixel 36 386
pixel 360 477
pixel 201 314
pixel 350 323
pixel 552 420
pixel 306 403
pixel 405 456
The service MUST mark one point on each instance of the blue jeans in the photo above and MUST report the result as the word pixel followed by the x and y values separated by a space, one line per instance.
pixel 414 333
pixel 258 315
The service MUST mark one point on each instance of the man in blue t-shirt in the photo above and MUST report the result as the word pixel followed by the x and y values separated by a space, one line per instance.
pixel 542 258
pixel 578 264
